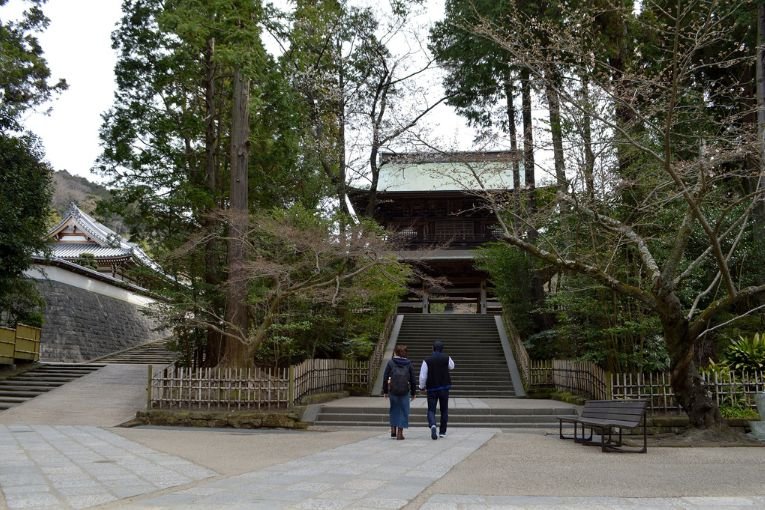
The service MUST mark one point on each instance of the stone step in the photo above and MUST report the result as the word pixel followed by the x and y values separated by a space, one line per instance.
pixel 12 400
pixel 346 416
pixel 424 425
pixel 473 343
pixel 413 418
pixel 147 354
pixel 56 373
pixel 382 407
pixel 482 394
pixel 19 392
pixel 29 384
pixel 47 377
pixel 42 378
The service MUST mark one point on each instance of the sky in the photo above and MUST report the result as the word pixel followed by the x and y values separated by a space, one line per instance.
pixel 77 47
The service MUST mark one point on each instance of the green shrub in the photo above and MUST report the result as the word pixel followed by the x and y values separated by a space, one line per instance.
pixel 746 353
pixel 741 412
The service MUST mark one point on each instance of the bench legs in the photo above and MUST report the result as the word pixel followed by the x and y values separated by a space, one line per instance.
pixel 616 446
pixel 575 436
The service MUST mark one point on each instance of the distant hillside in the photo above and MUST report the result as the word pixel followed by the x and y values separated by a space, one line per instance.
pixel 69 188
pixel 72 188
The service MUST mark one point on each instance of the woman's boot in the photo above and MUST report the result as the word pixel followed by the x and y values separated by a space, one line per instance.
pixel 393 432
pixel 400 433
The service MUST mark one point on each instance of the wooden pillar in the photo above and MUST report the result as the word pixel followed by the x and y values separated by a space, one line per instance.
pixel 425 302
pixel 482 304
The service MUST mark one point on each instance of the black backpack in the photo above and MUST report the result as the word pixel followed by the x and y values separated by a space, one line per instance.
pixel 399 379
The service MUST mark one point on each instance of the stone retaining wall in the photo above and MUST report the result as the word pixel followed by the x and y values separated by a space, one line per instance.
pixel 81 325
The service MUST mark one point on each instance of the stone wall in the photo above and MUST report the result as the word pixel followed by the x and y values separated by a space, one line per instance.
pixel 81 325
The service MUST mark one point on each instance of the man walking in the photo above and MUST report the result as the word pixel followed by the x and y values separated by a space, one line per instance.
pixel 435 378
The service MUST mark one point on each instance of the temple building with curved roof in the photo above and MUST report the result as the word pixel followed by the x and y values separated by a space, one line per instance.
pixel 82 240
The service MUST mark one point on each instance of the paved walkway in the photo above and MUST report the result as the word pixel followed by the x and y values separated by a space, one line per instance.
pixel 376 473
pixel 60 451
pixel 62 467
pixel 470 502
pixel 107 397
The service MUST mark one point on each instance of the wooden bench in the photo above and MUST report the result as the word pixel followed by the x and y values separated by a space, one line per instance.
pixel 602 417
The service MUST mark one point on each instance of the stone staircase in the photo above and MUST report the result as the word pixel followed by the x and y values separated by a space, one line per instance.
pixel 502 418
pixel 19 388
pixel 155 353
pixel 473 343
pixel 480 376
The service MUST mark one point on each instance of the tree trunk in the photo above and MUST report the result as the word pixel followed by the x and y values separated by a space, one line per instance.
pixel 589 156
pixel 212 270
pixel 513 134
pixel 760 70
pixel 537 283
pixel 528 146
pixel 556 129
pixel 686 381
pixel 372 200
pixel 759 210
pixel 235 350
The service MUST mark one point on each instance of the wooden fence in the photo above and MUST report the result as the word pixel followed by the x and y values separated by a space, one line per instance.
pixel 729 389
pixel 211 388
pixel 580 377
pixel 20 344
pixel 587 379
pixel 329 375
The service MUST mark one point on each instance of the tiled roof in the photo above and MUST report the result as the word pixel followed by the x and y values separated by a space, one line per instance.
pixel 74 250
pixel 465 172
pixel 107 239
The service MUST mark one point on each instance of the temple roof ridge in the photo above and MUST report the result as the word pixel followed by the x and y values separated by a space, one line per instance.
pixel 103 236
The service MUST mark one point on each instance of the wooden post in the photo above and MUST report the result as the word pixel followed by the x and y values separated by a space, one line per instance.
pixel 482 304
pixel 609 380
pixel 291 387
pixel 149 374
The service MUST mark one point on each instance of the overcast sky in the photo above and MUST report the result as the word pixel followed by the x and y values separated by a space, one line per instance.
pixel 77 46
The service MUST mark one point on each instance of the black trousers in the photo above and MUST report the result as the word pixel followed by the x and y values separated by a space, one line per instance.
pixel 441 398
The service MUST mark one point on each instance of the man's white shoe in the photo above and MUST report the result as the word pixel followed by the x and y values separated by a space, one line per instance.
pixel 442 435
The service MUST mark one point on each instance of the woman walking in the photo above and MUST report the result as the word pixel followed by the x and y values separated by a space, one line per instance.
pixel 399 386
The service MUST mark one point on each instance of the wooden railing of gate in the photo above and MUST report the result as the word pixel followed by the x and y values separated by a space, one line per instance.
pixel 212 388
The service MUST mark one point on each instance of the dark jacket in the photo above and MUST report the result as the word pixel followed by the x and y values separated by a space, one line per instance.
pixel 389 369
pixel 438 372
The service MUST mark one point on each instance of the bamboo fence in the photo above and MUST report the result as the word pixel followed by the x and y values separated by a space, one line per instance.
pixel 258 388
pixel 213 388
pixel 19 344
pixel 580 377
pixel 587 379
pixel 734 389
pixel 329 375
